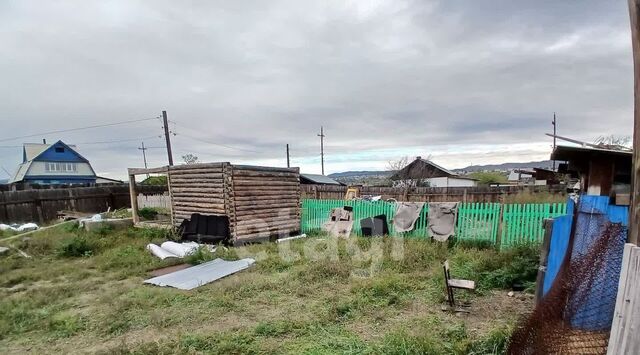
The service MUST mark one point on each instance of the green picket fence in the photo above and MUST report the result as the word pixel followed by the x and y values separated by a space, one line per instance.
pixel 476 221
pixel 522 223
pixel 316 212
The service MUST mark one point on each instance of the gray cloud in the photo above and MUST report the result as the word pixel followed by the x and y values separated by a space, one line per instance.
pixel 258 75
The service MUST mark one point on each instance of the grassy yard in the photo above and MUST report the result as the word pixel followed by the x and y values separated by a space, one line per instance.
pixel 83 293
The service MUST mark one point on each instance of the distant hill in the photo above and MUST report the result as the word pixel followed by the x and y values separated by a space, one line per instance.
pixel 4 181
pixel 350 176
pixel 544 164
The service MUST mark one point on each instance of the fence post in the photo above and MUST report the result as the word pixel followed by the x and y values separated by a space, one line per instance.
pixel 500 226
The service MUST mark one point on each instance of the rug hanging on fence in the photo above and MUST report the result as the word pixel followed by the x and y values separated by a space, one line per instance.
pixel 407 213
pixel 575 315
pixel 442 220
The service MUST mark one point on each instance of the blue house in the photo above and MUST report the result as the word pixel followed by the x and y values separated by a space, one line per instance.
pixel 56 163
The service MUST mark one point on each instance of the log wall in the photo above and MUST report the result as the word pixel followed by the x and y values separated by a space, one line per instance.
pixel 260 202
pixel 197 188
pixel 264 202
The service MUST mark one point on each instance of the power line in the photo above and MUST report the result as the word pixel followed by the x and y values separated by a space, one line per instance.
pixel 121 140
pixel 209 142
pixel 78 129
pixel 219 144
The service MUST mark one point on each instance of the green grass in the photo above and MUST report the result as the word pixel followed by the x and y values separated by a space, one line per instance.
pixel 83 292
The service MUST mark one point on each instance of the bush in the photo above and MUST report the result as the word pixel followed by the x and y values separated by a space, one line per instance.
pixel 515 265
pixel 148 213
pixel 78 246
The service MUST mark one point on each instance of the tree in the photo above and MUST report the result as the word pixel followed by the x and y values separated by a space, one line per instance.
pixel 190 158
pixel 393 166
pixel 613 141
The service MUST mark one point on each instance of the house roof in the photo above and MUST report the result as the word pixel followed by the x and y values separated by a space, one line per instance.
pixel 33 150
pixel 21 172
pixel 422 169
pixel 563 152
pixel 317 179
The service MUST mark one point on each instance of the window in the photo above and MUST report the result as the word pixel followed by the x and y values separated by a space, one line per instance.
pixel 60 167
pixel 59 149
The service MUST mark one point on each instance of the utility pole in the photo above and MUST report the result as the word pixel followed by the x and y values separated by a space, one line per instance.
pixel 554 138
pixel 321 135
pixel 166 137
pixel 634 211
pixel 144 155
pixel 288 162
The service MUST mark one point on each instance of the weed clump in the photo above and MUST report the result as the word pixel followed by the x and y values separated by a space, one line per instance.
pixel 200 256
pixel 148 213
pixel 77 246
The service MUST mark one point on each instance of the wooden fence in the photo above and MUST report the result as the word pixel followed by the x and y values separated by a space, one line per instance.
pixel 428 194
pixel 519 223
pixel 43 205
pixel 626 319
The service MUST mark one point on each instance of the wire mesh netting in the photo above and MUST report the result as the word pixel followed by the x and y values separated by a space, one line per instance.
pixel 575 315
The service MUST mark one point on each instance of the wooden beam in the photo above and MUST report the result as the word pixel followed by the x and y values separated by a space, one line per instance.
pixel 134 198
pixel 634 211
pixel 141 171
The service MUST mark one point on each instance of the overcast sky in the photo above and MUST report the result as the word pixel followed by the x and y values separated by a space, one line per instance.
pixel 467 82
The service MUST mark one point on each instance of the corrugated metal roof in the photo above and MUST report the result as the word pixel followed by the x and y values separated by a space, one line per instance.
pixel 32 150
pixel 202 274
pixel 21 172
pixel 319 179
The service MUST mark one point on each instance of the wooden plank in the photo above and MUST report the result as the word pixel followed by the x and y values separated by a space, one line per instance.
pixel 262 207
pixel 258 174
pixel 619 316
pixel 199 166
pixel 634 210
pixel 189 210
pixel 244 168
pixel 275 182
pixel 182 183
pixel 198 176
pixel 134 198
pixel 187 199
pixel 141 171
pixel 627 321
pixel 199 205
pixel 246 193
pixel 192 190
pixel 195 172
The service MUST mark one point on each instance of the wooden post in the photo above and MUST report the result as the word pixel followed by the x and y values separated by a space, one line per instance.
pixel 167 137
pixel 134 198
pixel 634 211
pixel 288 162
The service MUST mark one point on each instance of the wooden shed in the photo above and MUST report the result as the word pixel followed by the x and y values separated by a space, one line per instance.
pixel 261 203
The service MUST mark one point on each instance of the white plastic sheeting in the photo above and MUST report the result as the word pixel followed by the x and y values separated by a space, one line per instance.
pixel 172 249
pixel 94 218
pixel 202 274
pixel 19 228
pixel 175 250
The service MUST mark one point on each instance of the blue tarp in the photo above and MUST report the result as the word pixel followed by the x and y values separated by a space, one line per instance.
pixel 594 306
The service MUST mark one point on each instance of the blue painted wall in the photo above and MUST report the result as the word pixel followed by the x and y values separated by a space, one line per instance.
pixel 69 155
